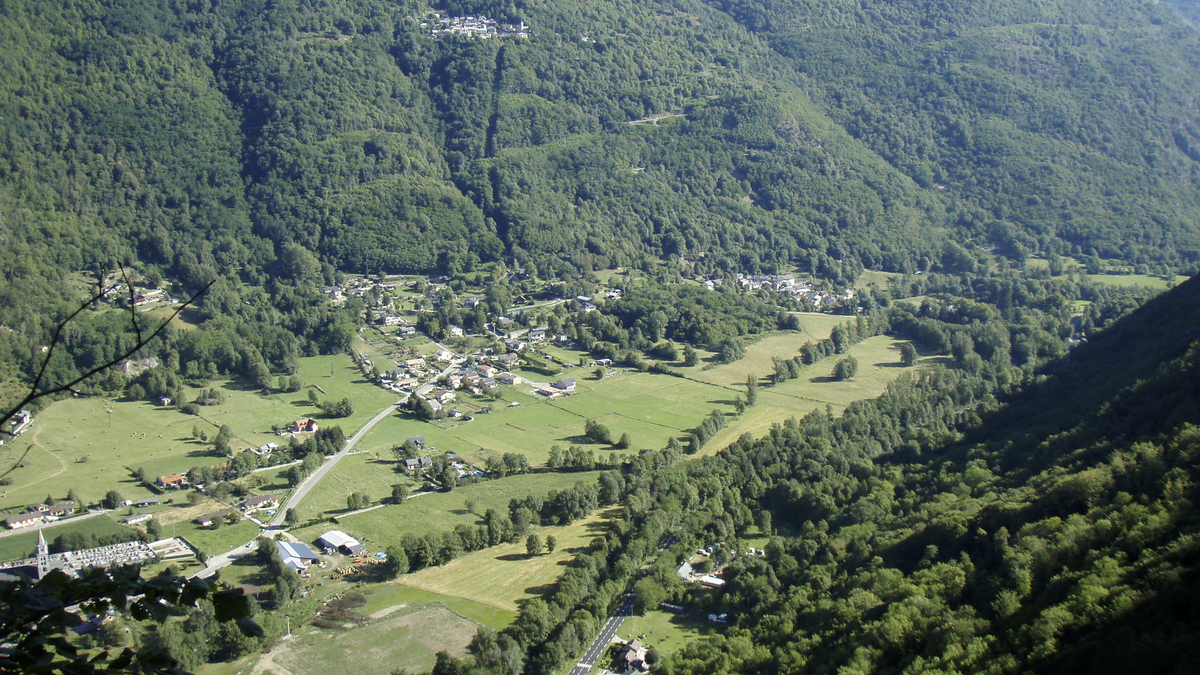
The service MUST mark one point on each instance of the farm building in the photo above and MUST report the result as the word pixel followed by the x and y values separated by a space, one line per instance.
pixel 296 556
pixel 148 501
pixel 139 518
pixel 340 541
pixel 566 384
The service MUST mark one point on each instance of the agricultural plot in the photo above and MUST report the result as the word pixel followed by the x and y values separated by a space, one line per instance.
pixel 440 511
pixel 667 632
pixel 650 408
pixel 409 637
pixel 878 364
pixel 94 444
pixel 504 576
pixel 1150 281
pixel 382 598
pixel 757 362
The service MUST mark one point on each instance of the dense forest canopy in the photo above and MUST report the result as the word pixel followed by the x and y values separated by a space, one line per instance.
pixel 201 138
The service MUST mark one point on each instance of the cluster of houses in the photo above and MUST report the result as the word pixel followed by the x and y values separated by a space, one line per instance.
pixel 249 505
pixel 41 513
pixel 473 26
pixel 788 285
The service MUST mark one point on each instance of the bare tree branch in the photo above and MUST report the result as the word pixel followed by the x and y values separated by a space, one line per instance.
pixel 35 390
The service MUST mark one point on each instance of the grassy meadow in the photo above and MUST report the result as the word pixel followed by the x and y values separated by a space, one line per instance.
pixel 94 444
pixel 437 511
pixel 503 576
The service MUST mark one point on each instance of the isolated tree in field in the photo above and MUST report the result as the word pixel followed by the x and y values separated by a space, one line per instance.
pixel 295 476
pixel 690 357
pixel 291 518
pixel 624 442
pixel 908 354
pixel 533 544
pixel 312 397
pixel 223 439
pixel 730 350
pixel 551 543
pixel 751 390
pixel 342 408
pixel 154 529
pixel 399 493
pixel 846 369
pixel 597 432
pixel 113 499
pixel 194 498
pixel 598 373
pixel 471 504
pixel 357 501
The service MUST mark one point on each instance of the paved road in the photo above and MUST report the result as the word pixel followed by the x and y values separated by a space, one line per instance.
pixel 45 526
pixel 309 483
pixel 226 559
pixel 607 633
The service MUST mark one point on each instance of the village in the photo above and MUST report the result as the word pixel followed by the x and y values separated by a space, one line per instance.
pixel 506 355
pixel 472 26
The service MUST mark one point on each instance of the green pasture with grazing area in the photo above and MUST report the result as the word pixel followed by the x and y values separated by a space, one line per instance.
pixel 504 576
pixel 382 597
pixel 666 631
pixel 94 444
pixel 409 637
pixel 1151 281
pixel 439 511
pixel 651 408
pixel 878 364
pixel 757 362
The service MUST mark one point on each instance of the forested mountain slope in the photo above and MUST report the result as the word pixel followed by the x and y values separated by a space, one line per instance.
pixel 274 143
pixel 1050 530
